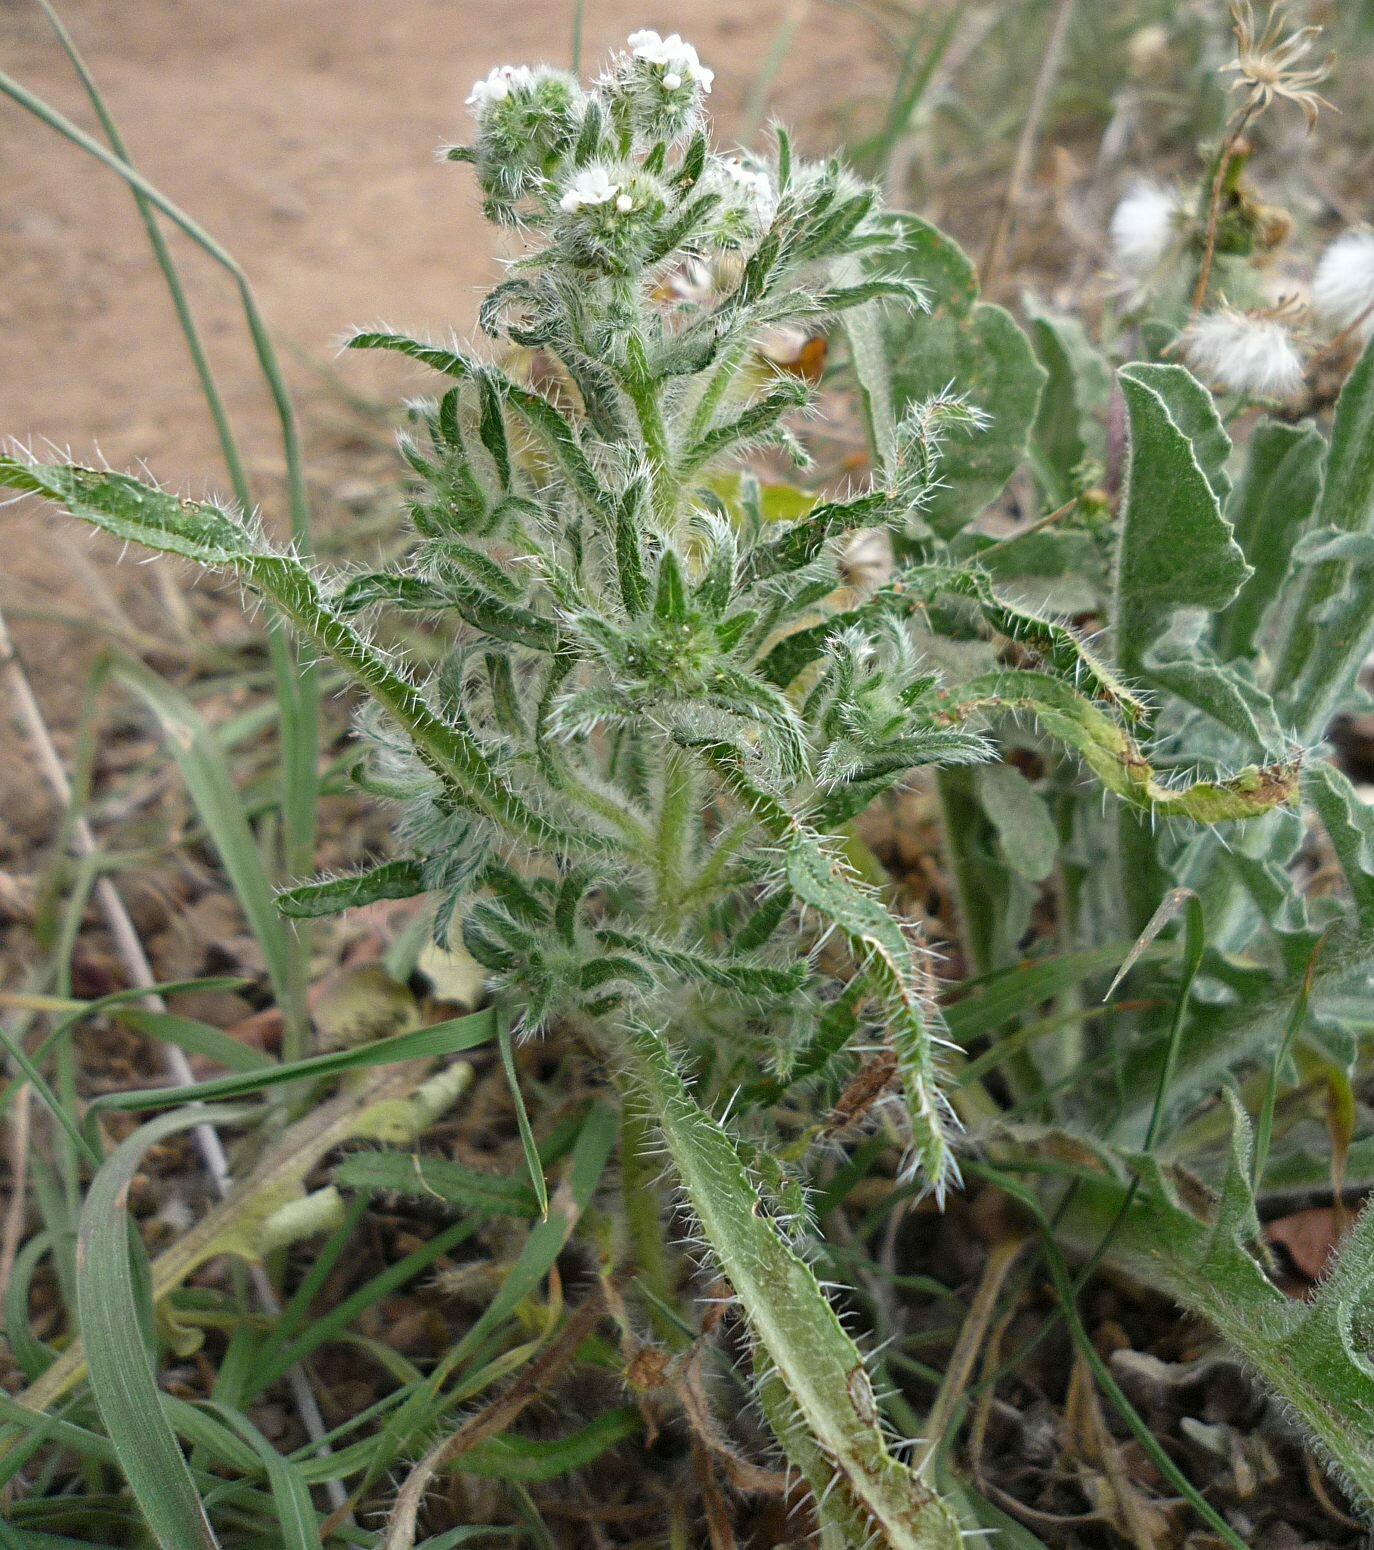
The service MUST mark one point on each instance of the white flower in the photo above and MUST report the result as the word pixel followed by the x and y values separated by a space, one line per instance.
pixel 1343 286
pixel 498 85
pixel 756 186
pixel 1142 229
pixel 1244 352
pixel 677 60
pixel 592 186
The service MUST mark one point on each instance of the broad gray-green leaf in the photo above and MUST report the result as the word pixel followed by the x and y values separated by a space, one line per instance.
pixel 1025 829
pixel 1349 825
pixel 863 328
pixel 1271 506
pixel 1176 549
pixel 1183 662
pixel 1067 431
pixel 966 346
pixel 1329 625
pixel 1310 1353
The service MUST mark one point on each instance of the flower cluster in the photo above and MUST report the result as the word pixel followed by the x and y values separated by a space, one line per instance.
pixel 591 167
pixel 674 60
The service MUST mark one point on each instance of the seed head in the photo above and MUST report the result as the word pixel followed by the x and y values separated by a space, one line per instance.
pixel 1244 352
pixel 1343 286
pixel 1143 228
pixel 1267 63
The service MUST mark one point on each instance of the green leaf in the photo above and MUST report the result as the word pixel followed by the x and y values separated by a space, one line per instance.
pixel 121 1371
pixel 819 1368
pixel 1349 825
pixel 453 363
pixel 527 1143
pixel 446 1038
pixel 295 1512
pixel 150 516
pixel 455 1183
pixel 1329 624
pixel 210 784
pixel 531 1458
pixel 1025 828
pixel 1068 428
pixel 966 346
pixel 1115 758
pixel 389 880
pixel 196 1038
pixel 1176 550
pixel 868 354
pixel 1272 505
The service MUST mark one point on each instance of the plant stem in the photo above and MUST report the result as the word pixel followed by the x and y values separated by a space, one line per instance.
pixel 1209 241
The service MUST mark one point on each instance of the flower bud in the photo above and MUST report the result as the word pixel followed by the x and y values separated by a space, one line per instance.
pixel 658 88
pixel 527 121
pixel 610 218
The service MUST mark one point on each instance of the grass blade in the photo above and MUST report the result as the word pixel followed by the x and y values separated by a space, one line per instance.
pixel 126 1392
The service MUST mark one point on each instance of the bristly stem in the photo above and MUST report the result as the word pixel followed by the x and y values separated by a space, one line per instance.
pixel 1218 184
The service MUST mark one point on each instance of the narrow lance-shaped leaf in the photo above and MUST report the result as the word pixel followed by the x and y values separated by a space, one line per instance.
pixel 817 1364
pixel 208 534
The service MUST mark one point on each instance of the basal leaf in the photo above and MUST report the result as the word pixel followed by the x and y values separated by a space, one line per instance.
pixel 964 346
pixel 1175 550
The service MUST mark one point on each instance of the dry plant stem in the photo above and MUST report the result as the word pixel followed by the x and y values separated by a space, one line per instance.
pixel 1001 1257
pixel 140 972
pixel 496 1417
pixel 1337 341
pixel 1050 61
pixel 19 1158
pixel 1209 241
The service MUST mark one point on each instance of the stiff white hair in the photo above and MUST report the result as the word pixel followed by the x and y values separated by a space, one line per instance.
pixel 1143 228
pixel 1343 286
pixel 1243 352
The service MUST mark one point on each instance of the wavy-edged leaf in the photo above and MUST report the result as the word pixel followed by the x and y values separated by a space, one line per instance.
pixel 1328 626
pixel 1176 549
pixel 1270 508
pixel 971 347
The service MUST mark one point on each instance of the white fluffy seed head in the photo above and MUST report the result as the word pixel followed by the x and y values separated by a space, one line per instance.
pixel 1243 353
pixel 1142 229
pixel 1343 286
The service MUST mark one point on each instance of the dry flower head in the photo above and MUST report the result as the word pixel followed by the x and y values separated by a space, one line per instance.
pixel 1268 63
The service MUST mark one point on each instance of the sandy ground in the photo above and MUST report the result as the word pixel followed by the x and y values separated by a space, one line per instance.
pixel 300 133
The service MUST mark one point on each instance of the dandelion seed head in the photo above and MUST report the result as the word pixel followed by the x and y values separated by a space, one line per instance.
pixel 1142 228
pixel 1243 352
pixel 1343 286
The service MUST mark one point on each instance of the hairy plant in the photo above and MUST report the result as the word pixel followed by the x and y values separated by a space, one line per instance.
pixel 664 694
